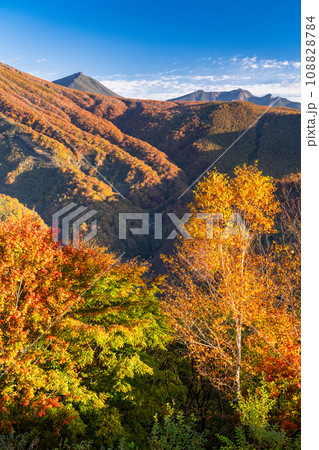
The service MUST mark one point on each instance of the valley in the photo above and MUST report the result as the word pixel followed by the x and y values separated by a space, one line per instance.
pixel 123 155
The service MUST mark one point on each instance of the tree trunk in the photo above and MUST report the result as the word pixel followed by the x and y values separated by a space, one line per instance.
pixel 238 362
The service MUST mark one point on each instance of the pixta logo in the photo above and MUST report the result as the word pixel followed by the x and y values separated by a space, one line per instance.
pixel 234 225
pixel 63 232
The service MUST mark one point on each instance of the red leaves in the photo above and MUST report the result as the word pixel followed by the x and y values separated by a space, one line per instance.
pixel 39 281
pixel 57 333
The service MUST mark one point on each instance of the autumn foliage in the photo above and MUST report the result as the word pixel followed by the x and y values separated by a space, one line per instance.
pixel 96 352
pixel 73 326
pixel 123 155
pixel 228 297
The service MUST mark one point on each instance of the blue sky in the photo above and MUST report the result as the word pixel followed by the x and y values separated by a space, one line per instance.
pixel 158 49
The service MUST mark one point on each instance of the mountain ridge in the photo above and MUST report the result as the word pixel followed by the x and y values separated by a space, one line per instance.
pixel 237 95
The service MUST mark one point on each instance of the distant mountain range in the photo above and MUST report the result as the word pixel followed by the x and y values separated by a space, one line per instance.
pixel 81 82
pixel 237 94
pixel 84 83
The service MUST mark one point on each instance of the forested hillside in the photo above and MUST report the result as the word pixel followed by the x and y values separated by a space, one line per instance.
pixel 61 152
pixel 96 150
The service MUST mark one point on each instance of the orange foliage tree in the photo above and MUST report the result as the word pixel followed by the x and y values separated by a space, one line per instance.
pixel 73 325
pixel 222 295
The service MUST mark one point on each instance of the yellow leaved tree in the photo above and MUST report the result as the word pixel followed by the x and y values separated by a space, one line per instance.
pixel 222 295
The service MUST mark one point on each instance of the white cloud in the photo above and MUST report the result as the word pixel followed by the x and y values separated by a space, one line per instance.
pixel 42 60
pixel 260 76
pixel 248 63
pixel 273 63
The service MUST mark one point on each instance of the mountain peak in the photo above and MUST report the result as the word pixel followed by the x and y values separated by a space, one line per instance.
pixel 82 82
pixel 236 95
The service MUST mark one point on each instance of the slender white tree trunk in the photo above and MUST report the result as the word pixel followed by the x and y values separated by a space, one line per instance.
pixel 238 362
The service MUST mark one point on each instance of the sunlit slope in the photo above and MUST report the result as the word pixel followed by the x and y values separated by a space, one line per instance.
pixel 62 152
pixel 194 135
pixel 59 145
